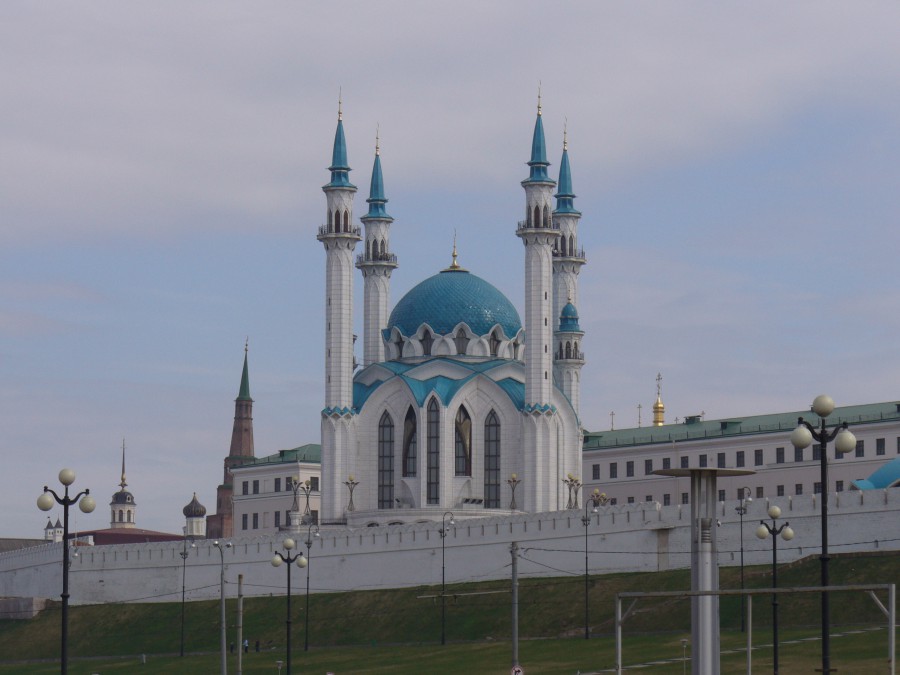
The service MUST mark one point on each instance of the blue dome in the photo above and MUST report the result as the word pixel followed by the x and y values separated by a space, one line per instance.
pixel 451 297
pixel 568 319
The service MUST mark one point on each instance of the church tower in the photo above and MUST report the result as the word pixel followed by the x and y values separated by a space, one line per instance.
pixel 376 265
pixel 568 258
pixel 221 524
pixel 339 237
pixel 122 506
pixel 539 234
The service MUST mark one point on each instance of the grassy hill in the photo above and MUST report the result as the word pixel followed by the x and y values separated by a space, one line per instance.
pixel 476 613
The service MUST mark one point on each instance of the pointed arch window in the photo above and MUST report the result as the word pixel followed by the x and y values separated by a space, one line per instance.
pixel 433 435
pixel 572 244
pixel 383 249
pixel 328 220
pixel 492 461
pixel 410 453
pixel 120 516
pixel 568 350
pixel 463 442
pixel 462 341
pixel 427 341
pixel 368 250
pixel 546 216
pixel 386 462
pixel 346 220
pixel 536 217
pixel 494 343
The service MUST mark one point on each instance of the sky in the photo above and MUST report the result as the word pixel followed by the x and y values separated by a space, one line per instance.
pixel 161 166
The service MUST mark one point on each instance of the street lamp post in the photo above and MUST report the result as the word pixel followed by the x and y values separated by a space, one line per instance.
pixel 277 559
pixel 513 483
pixel 595 500
pixel 844 441
pixel 184 557
pixel 222 626
pixel 443 532
pixel 305 563
pixel 351 484
pixel 742 510
pixel 86 504
pixel 763 531
pixel 574 485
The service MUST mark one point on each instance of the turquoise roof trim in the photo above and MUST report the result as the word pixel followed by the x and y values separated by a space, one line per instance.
pixel 565 196
pixel 886 476
pixel 452 297
pixel 311 452
pixel 538 162
pixel 376 199
pixel 339 168
pixel 445 388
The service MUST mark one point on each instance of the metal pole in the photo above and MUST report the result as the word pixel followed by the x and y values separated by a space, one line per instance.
pixel 65 592
pixel 741 511
pixel 240 623
pixel 306 618
pixel 774 599
pixel 826 619
pixel 222 640
pixel 587 629
pixel 618 635
pixel 443 589
pixel 514 553
pixel 184 555
pixel 749 634
pixel 287 622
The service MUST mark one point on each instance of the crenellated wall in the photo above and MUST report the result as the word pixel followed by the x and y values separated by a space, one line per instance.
pixel 638 537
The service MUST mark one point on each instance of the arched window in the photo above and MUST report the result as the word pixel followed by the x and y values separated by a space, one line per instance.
pixel 560 350
pixel 129 516
pixel 433 434
pixel 463 442
pixel 492 461
pixel 328 220
pixel 368 251
pixel 575 351
pixel 462 342
pixel 346 220
pixel 495 343
pixel 562 246
pixel 571 244
pixel 121 516
pixel 386 462
pixel 383 248
pixel 410 455
pixel 568 350
pixel 427 341
pixel 536 218
pixel 546 216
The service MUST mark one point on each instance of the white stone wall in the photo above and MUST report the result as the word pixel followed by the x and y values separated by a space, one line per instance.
pixel 639 538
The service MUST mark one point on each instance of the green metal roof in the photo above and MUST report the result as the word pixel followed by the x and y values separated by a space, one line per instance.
pixel 244 393
pixel 310 453
pixel 694 428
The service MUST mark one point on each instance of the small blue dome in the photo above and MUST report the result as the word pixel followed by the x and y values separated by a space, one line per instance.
pixel 451 297
pixel 568 319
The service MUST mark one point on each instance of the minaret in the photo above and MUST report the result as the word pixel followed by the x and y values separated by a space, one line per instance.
pixel 376 264
pixel 568 357
pixel 339 236
pixel 539 235
pixel 221 524
pixel 122 506
pixel 659 409
pixel 568 256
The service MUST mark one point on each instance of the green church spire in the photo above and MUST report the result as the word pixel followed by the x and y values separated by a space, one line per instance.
pixel 244 394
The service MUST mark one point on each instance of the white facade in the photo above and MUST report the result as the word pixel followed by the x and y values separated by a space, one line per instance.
pixel 621 462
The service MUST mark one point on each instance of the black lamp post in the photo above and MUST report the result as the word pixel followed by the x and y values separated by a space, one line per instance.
pixel 184 557
pixel 742 510
pixel 763 531
pixel 87 504
pixel 305 563
pixel 443 532
pixel 277 559
pixel 844 441
pixel 595 500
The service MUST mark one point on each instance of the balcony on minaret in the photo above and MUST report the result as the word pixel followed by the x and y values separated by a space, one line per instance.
pixel 376 259
pixel 349 231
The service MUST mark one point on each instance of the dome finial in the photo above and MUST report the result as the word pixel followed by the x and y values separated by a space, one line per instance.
pixel 659 409
pixel 539 98
pixel 340 103
pixel 454 265
pixel 377 139
pixel 566 133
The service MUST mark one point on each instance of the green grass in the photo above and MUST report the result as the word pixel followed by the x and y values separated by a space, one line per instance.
pixel 397 631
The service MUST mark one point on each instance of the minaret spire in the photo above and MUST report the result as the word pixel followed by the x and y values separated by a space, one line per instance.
pixel 123 484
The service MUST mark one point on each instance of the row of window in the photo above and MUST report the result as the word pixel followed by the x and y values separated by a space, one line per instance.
pixel 462 454
pixel 740 459
pixel 252 520
pixel 252 487
pixel 779 492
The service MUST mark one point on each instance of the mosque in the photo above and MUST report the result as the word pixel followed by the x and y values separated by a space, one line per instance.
pixel 458 404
